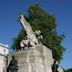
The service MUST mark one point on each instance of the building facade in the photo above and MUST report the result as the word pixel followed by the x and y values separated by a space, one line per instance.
pixel 3 56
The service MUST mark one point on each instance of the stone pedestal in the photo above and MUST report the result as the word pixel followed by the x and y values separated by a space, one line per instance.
pixel 34 59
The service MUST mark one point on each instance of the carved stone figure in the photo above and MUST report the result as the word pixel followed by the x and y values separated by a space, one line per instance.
pixel 31 38
pixel 39 36
pixel 24 42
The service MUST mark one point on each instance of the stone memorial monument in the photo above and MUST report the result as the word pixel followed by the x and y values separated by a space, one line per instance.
pixel 35 57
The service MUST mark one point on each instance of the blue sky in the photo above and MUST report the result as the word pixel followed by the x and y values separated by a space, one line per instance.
pixel 62 9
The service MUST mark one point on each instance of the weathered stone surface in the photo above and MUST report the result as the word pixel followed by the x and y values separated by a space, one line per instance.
pixel 3 56
pixel 34 59
pixel 60 69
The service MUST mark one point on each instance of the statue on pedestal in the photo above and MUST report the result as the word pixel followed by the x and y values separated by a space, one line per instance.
pixel 12 67
pixel 55 67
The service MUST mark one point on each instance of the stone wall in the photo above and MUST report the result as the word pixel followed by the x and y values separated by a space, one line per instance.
pixel 34 59
pixel 37 59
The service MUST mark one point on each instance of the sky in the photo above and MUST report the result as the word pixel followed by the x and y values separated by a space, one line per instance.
pixel 62 9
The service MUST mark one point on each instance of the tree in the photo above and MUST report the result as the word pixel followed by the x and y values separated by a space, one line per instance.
pixel 46 22
pixel 68 70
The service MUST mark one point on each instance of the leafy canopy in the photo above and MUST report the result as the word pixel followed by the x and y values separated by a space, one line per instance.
pixel 40 19
pixel 68 70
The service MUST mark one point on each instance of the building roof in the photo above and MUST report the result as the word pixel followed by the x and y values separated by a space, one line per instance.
pixel 4 45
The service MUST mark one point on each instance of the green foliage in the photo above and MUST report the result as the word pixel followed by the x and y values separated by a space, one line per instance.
pixel 16 41
pixel 46 22
pixel 42 20
pixel 68 70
